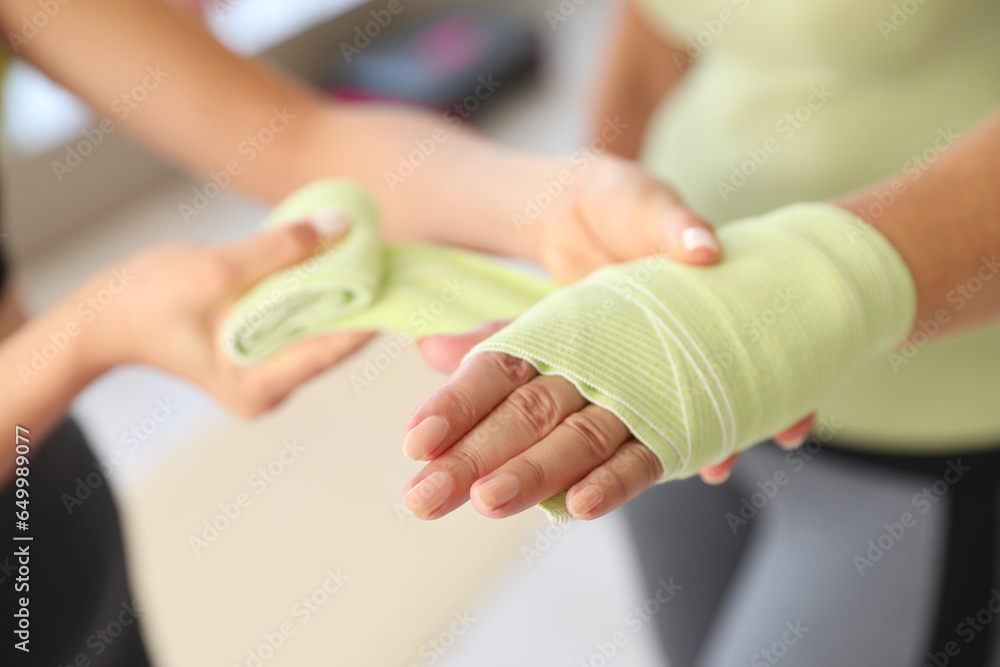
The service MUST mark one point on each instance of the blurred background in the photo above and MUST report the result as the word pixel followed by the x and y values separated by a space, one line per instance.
pixel 284 541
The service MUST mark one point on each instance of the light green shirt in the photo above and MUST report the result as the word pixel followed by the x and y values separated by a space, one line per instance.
pixel 802 101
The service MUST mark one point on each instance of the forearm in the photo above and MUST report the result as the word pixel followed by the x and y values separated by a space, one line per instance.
pixel 945 223
pixel 164 78
pixel 45 363
pixel 642 67
pixel 466 190
pixel 210 110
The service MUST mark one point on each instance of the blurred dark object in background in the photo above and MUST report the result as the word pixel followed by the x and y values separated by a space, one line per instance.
pixel 437 62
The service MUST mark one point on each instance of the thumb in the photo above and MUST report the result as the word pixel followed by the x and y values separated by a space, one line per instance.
pixel 639 216
pixel 685 236
pixel 445 353
pixel 262 254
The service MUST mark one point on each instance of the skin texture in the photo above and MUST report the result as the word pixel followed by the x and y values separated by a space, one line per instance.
pixel 208 102
pixel 630 90
pixel 507 439
pixel 167 312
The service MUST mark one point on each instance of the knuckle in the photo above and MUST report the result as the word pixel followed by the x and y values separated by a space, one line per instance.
pixel 645 460
pixel 590 435
pixel 464 462
pixel 294 241
pixel 560 264
pixel 610 479
pixel 253 396
pixel 216 273
pixel 536 405
pixel 459 404
pixel 531 471
pixel 517 370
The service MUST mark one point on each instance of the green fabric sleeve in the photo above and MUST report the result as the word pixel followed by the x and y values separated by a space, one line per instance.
pixel 702 362
pixel 362 283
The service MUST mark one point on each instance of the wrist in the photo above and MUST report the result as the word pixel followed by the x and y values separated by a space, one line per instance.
pixel 56 353
pixel 96 310
pixel 538 188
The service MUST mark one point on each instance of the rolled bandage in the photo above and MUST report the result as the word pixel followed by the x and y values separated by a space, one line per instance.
pixel 702 362
pixel 362 283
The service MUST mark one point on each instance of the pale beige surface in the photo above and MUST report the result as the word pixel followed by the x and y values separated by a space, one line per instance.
pixel 337 506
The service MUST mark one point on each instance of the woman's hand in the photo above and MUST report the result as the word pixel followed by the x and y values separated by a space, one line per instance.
pixel 515 438
pixel 611 211
pixel 175 298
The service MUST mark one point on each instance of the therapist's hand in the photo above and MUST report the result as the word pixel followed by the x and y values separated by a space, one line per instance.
pixel 610 211
pixel 515 438
pixel 167 306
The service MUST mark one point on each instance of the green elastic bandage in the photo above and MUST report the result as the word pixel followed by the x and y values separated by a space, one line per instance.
pixel 362 283
pixel 702 362
pixel 698 362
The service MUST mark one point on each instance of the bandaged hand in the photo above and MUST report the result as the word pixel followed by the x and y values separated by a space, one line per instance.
pixel 682 367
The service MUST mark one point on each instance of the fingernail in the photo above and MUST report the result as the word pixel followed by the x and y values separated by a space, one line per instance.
pixel 429 494
pixel 585 499
pixel 497 490
pixel 329 222
pixel 716 479
pixel 794 443
pixel 697 238
pixel 424 438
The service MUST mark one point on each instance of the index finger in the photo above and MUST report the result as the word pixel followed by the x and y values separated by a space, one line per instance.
pixel 478 386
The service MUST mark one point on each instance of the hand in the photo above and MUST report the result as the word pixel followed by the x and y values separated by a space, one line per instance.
pixel 514 438
pixel 791 438
pixel 613 211
pixel 176 297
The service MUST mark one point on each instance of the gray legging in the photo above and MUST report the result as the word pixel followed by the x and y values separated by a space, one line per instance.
pixel 824 556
